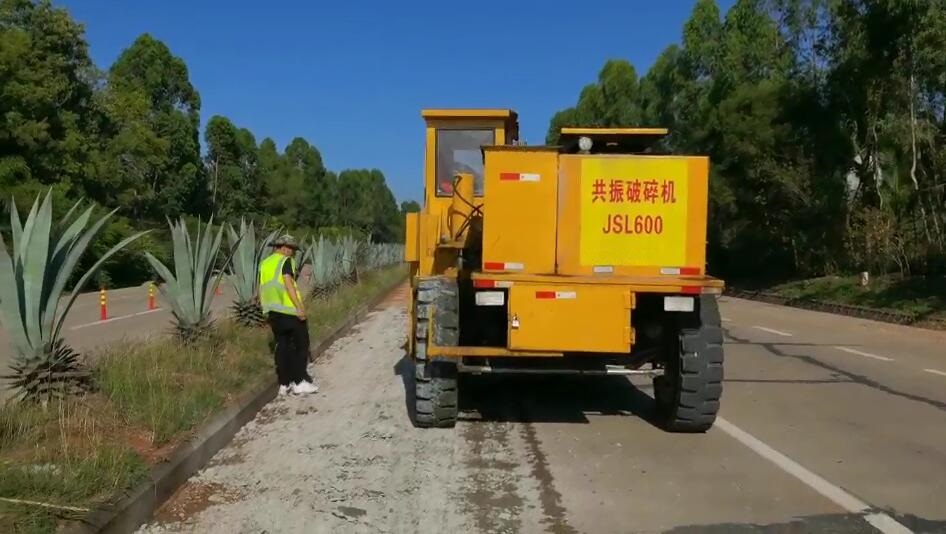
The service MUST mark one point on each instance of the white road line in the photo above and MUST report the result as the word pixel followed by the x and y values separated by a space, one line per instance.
pixel 119 318
pixel 882 522
pixel 772 331
pixel 865 354
pixel 935 372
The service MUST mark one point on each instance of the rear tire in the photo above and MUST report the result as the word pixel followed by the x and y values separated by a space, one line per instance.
pixel 435 382
pixel 689 392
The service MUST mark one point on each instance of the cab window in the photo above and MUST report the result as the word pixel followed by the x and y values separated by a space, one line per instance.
pixel 459 151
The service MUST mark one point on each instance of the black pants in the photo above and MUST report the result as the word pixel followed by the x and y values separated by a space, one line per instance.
pixel 292 348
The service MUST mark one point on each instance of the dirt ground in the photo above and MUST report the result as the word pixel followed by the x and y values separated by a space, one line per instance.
pixel 349 460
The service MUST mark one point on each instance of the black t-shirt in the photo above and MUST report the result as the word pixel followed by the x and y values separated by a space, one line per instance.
pixel 287 268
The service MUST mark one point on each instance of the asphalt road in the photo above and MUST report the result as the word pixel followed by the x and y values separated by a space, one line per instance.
pixel 829 424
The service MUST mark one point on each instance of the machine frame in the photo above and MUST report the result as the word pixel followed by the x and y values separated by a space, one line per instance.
pixel 453 331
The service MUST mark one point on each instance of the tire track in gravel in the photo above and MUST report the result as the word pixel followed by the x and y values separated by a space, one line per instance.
pixel 509 470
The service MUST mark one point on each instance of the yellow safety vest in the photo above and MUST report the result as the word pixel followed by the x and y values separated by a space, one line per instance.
pixel 273 294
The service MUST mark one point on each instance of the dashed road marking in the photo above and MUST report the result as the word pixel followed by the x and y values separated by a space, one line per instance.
pixel 772 331
pixel 881 521
pixel 865 354
pixel 112 319
pixel 935 372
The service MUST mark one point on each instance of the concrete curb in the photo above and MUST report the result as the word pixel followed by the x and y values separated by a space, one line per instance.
pixel 138 505
pixel 839 309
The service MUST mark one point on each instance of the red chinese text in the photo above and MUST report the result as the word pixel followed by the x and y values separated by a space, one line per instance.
pixel 598 191
pixel 618 191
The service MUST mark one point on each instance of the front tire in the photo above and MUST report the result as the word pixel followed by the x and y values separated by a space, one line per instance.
pixel 435 382
pixel 689 392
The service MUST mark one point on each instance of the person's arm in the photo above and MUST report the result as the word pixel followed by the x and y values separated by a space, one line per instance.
pixel 293 296
pixel 288 277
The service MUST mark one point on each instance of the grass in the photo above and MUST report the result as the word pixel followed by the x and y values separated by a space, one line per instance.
pixel 63 454
pixel 923 297
pixel 166 388
pixel 82 452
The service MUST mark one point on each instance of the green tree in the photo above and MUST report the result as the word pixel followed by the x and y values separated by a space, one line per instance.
pixel 613 101
pixel 47 114
pixel 366 203
pixel 153 152
pixel 233 169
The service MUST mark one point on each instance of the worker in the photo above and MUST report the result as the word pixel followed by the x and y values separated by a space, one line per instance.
pixel 281 301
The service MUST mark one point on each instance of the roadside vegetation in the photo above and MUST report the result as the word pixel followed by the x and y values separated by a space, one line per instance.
pixel 81 428
pixel 922 297
pixel 80 451
pixel 825 129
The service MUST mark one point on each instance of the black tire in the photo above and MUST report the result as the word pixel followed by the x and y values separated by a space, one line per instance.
pixel 689 392
pixel 435 382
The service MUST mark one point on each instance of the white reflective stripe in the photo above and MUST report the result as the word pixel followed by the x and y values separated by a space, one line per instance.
pixel 529 177
pixel 669 270
pixel 679 304
pixel 490 298
pixel 514 266
pixel 566 295
pixel 603 269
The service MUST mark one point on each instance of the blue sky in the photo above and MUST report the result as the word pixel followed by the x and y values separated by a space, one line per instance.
pixel 352 76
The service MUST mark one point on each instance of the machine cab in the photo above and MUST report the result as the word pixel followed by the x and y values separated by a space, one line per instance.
pixel 454 141
pixel 454 144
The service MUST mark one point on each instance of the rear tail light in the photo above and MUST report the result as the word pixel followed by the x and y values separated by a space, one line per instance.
pixel 697 290
pixel 491 284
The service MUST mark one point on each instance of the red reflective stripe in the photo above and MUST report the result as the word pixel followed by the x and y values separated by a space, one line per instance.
pixel 484 284
pixel 689 270
pixel 545 294
pixel 691 290
pixel 494 265
pixel 509 176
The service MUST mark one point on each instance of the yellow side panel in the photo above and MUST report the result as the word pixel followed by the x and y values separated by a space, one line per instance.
pixel 411 245
pixel 519 226
pixel 579 318
pixel 632 215
pixel 428 228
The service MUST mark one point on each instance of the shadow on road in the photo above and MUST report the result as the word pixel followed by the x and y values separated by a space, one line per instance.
pixel 553 399
pixel 834 523
pixel 539 399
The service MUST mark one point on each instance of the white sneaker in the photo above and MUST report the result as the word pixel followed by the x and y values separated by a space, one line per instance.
pixel 303 388
pixel 283 390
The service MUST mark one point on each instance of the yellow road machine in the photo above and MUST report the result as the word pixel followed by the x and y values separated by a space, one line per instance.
pixel 587 257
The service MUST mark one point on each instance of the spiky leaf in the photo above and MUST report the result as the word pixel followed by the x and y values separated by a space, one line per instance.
pixel 32 278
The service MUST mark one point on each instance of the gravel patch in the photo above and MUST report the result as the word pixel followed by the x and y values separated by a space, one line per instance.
pixel 349 460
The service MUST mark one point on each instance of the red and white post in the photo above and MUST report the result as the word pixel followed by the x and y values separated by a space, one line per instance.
pixel 151 303
pixel 103 305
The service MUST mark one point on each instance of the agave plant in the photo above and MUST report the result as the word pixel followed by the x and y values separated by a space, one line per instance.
pixel 382 255
pixel 32 280
pixel 245 272
pixel 320 256
pixel 190 289
pixel 348 258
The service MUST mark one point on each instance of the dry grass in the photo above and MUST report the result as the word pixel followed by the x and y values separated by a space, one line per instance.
pixel 64 454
